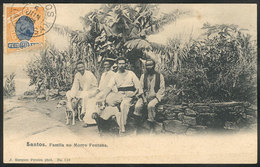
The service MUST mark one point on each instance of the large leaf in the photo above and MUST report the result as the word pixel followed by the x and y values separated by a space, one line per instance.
pixel 138 44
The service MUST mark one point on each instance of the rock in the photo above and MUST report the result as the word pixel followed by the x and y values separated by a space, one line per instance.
pixel 239 109
pixel 170 116
pixel 167 111
pixel 220 104
pixel 175 126
pixel 48 113
pixel 41 97
pixel 159 117
pixel 253 126
pixel 241 121
pixel 203 109
pixel 246 104
pixel 158 127
pixel 197 130
pixel 231 126
pixel 233 113
pixel 190 112
pixel 32 92
pixel 177 111
pixel 250 111
pixel 190 105
pixel 243 115
pixel 174 107
pixel 189 120
pixel 227 104
pixel 53 92
pixel 199 127
pixel 180 116
pixel 206 119
pixel 172 111
pixel 253 107
pixel 250 119
pixel 177 107
pixel 25 97
pixel 191 132
pixel 62 93
pixel 208 114
pixel 146 125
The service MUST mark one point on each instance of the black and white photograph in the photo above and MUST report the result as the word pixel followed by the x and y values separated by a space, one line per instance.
pixel 162 83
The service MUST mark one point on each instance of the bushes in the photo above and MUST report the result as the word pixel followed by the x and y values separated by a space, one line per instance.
pixel 221 67
pixel 9 86
pixel 51 70
pixel 112 31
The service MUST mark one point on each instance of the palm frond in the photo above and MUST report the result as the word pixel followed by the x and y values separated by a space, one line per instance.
pixel 138 44
pixel 63 30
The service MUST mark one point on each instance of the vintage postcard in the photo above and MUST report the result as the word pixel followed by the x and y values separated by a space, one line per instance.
pixel 130 83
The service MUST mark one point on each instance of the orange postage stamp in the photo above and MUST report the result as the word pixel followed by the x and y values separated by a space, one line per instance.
pixel 27 24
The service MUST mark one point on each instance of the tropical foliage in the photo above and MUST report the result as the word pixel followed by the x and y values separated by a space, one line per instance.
pixel 52 70
pixel 118 30
pixel 9 85
pixel 220 67
pixel 112 31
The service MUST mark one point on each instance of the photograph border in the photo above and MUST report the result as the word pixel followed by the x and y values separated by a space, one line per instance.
pixel 136 1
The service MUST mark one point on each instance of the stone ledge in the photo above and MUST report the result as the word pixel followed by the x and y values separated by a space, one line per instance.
pixel 224 115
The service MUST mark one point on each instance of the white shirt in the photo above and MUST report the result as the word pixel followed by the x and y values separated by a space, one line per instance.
pixel 105 78
pixel 84 82
pixel 126 79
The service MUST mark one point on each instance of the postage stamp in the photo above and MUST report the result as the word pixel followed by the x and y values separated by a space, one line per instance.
pixel 27 24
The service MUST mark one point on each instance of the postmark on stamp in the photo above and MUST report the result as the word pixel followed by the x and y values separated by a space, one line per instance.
pixel 26 25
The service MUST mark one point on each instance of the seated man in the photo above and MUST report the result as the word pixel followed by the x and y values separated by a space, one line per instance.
pixel 84 86
pixel 127 88
pixel 106 76
pixel 106 109
pixel 153 87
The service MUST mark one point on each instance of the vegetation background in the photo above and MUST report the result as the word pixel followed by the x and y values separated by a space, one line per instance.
pixel 218 66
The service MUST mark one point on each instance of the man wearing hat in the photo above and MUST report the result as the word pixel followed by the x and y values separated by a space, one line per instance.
pixel 153 86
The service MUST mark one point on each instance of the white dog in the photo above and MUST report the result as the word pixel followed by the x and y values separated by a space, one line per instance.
pixel 76 106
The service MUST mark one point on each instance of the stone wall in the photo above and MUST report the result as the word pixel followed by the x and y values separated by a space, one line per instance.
pixel 199 118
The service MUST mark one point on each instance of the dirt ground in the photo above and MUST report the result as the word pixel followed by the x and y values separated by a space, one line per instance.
pixel 19 114
pixel 29 117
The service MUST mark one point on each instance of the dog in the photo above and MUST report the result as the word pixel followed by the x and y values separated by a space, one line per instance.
pixel 106 122
pixel 75 113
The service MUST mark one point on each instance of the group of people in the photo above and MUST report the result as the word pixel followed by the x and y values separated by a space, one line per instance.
pixel 119 89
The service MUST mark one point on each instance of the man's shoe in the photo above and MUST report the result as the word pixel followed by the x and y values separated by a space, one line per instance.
pixel 122 134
